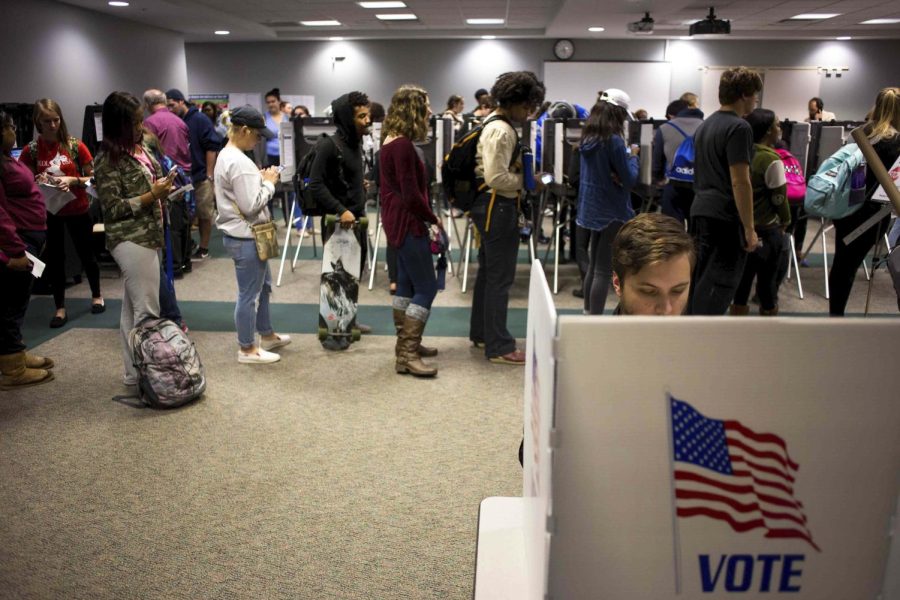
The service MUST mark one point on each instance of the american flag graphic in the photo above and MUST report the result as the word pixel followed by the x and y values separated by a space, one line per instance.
pixel 726 471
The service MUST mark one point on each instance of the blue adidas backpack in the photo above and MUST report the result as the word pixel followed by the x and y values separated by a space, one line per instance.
pixel 838 189
pixel 682 167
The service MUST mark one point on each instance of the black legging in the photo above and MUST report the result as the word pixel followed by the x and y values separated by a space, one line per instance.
pixel 599 275
pixel 848 258
pixel 81 231
pixel 763 265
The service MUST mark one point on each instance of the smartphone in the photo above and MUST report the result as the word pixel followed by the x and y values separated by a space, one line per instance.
pixel 172 172
pixel 546 178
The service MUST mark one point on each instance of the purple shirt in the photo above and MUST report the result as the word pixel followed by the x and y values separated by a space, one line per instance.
pixel 173 136
pixel 21 205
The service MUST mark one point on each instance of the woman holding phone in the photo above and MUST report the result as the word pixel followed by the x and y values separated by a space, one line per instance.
pixel 132 188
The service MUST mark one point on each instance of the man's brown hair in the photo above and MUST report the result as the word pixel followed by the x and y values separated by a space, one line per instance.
pixel 738 83
pixel 649 238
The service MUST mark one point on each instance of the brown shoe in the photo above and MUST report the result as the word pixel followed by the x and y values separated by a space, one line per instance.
pixel 423 351
pixel 768 313
pixel 38 362
pixel 739 310
pixel 408 360
pixel 516 357
pixel 17 375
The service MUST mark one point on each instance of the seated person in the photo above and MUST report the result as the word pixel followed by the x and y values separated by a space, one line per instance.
pixel 817 111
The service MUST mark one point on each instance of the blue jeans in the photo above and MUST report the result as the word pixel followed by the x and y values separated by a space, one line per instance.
pixel 415 271
pixel 251 312
pixel 168 303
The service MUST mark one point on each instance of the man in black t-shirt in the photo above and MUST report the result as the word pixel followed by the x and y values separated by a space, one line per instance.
pixel 722 212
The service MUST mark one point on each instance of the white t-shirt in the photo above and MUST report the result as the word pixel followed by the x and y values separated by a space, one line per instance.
pixel 238 181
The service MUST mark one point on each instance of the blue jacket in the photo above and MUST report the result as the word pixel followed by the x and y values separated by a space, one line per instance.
pixel 203 138
pixel 601 199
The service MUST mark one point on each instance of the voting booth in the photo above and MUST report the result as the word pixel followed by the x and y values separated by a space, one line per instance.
pixel 704 458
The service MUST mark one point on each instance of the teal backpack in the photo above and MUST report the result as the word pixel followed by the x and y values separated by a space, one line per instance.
pixel 838 189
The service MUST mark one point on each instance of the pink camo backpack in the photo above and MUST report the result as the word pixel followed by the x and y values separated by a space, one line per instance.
pixel 793 173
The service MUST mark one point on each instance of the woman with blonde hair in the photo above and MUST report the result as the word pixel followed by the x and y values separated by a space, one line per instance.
pixel 65 162
pixel 883 131
pixel 407 218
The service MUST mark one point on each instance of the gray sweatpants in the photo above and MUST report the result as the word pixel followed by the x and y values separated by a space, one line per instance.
pixel 140 271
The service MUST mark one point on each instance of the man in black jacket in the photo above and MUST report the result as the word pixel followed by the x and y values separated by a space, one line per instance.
pixel 336 175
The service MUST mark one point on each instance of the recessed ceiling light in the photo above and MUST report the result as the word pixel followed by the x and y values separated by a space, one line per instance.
pixel 596 29
pixel 489 37
pixel 336 38
pixel 397 17
pixel 331 23
pixel 485 21
pixel 384 4
pixel 814 16
pixel 222 32
pixel 843 38
pixel 116 3
pixel 881 22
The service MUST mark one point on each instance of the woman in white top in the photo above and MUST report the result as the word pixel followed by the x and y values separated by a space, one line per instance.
pixel 242 195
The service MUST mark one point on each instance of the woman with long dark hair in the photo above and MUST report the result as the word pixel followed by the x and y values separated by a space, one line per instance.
pixel 57 158
pixel 609 169
pixel 407 217
pixel 23 229
pixel 883 131
pixel 132 188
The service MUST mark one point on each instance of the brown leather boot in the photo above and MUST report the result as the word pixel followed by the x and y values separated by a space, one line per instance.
pixel 408 339
pixel 32 361
pixel 768 313
pixel 16 374
pixel 425 351
pixel 739 310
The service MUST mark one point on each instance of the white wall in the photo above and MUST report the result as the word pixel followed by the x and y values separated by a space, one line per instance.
pixel 461 66
pixel 77 57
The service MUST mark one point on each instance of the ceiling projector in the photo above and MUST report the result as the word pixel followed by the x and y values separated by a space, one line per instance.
pixel 642 27
pixel 711 25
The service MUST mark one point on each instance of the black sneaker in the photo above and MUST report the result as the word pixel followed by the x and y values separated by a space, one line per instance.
pixel 200 254
pixel 187 267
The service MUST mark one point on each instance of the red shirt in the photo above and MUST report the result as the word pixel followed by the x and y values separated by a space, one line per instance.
pixel 404 192
pixel 55 159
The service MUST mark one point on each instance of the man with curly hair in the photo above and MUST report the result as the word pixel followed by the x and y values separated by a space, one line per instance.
pixel 495 213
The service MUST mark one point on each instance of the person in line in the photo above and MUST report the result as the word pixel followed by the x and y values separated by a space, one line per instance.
pixel 407 218
pixel 286 107
pixel 652 260
pixel 211 110
pixel 482 96
pixel 174 136
pixel 722 212
pixel 337 173
pixel 204 144
pixel 23 228
pixel 57 158
pixel 609 170
pixel 883 131
pixel 641 114
pixel 771 216
pixel 454 110
pixel 132 188
pixel 242 197
pixel 677 196
pixel 274 117
pixel 300 112
pixel 817 112
pixel 495 213
pixel 691 99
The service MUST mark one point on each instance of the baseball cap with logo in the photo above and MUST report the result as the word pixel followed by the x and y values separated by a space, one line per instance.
pixel 247 116
pixel 616 97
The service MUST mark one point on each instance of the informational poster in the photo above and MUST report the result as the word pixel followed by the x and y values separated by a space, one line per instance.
pixel 880 194
pixel 724 458
pixel 220 100
pixel 98 125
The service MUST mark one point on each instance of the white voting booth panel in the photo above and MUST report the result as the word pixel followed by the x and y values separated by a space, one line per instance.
pixel 720 458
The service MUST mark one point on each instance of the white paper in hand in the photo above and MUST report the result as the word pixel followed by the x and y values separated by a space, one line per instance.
pixel 54 198
pixel 38 265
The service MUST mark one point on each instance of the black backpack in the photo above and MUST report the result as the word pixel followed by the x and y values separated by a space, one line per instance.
pixel 458 170
pixel 304 170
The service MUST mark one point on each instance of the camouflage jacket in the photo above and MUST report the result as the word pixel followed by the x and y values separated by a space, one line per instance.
pixel 118 187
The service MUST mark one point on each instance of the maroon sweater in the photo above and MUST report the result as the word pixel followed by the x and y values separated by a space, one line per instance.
pixel 404 192
pixel 21 206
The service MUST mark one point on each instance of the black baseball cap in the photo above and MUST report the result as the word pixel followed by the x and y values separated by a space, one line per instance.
pixel 250 117
pixel 175 94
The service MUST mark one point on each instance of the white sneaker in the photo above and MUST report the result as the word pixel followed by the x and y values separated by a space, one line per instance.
pixel 283 340
pixel 260 357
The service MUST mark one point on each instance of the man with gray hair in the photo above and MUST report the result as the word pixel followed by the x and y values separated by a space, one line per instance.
pixel 172 132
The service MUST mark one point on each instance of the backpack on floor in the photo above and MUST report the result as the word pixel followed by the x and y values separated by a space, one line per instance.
pixel 838 188
pixel 793 174
pixel 458 169
pixel 308 203
pixel 682 167
pixel 170 373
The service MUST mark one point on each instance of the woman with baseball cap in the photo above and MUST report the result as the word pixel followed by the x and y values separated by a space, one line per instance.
pixel 242 196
